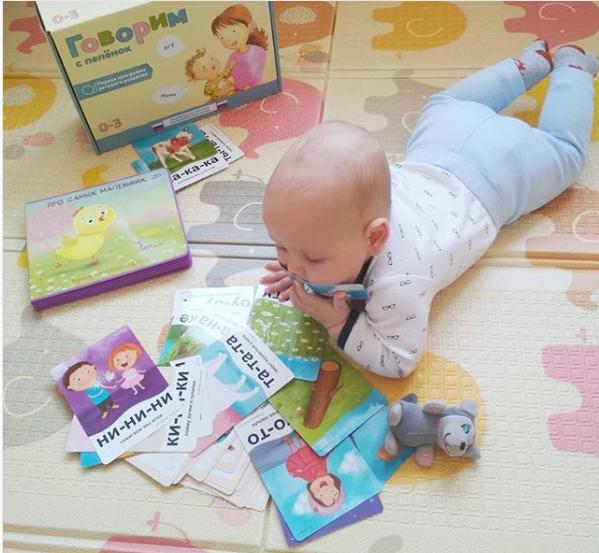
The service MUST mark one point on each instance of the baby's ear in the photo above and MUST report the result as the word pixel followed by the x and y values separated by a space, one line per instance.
pixel 377 233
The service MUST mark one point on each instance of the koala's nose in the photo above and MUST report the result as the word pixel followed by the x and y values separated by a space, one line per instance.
pixel 463 446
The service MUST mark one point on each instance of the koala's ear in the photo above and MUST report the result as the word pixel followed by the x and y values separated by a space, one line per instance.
pixel 470 406
pixel 472 452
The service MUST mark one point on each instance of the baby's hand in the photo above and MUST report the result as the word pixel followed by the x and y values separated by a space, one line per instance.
pixel 329 312
pixel 277 281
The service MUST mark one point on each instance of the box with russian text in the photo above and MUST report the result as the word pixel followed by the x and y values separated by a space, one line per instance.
pixel 135 68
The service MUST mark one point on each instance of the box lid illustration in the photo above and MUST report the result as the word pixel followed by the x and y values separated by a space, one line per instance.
pixel 134 68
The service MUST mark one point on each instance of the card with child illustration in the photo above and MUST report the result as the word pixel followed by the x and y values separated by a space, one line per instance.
pixel 309 490
pixel 117 393
pixel 185 151
pixel 295 337
pixel 177 435
pixel 327 411
pixel 203 315
pixel 240 374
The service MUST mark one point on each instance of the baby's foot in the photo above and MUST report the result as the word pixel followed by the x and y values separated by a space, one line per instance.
pixel 572 55
pixel 534 62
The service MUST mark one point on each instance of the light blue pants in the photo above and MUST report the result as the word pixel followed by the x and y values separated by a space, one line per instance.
pixel 510 166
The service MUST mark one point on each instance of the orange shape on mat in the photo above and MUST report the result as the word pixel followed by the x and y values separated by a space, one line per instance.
pixel 419 25
pixel 556 22
pixel 539 92
pixel 435 377
pixel 301 22
pixel 26 99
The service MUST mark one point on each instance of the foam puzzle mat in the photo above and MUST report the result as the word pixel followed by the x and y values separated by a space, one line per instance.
pixel 519 332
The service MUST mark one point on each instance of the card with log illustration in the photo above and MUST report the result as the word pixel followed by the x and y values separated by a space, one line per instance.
pixel 327 411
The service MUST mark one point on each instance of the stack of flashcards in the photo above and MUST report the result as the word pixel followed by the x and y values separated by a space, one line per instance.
pixel 238 412
pixel 188 152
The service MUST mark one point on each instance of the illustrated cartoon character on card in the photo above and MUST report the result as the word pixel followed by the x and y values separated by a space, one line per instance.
pixel 204 67
pixel 309 490
pixel 324 489
pixel 97 383
pixel 121 362
pixel 177 147
pixel 237 31
pixel 82 377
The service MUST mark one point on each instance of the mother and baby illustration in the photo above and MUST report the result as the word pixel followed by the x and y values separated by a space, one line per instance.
pixel 83 377
pixel 236 30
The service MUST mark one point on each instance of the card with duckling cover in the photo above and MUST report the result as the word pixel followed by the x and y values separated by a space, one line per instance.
pixel 117 393
pixel 103 237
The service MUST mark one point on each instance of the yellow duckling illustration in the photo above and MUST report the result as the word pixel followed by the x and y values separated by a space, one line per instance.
pixel 91 225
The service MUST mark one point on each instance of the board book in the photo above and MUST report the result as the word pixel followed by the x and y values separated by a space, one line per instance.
pixel 103 237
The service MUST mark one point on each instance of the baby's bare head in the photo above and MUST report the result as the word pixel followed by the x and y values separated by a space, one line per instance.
pixel 325 192
pixel 335 158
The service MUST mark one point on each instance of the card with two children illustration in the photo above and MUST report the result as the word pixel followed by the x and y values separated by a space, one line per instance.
pixel 116 392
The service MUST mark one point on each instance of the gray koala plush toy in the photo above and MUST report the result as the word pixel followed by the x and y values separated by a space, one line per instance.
pixel 450 428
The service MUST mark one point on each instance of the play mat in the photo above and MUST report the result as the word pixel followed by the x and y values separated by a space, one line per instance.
pixel 519 332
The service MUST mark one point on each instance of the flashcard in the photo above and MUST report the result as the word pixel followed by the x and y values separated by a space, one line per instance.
pixel 229 470
pixel 309 490
pixel 228 149
pixel 370 507
pixel 295 337
pixel 203 315
pixel 250 494
pixel 89 459
pixel 165 468
pixel 370 439
pixel 185 151
pixel 231 302
pixel 206 460
pixel 177 435
pixel 117 393
pixel 326 412
pixel 355 292
pixel 241 373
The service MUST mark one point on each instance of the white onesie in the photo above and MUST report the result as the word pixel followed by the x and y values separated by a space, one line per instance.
pixel 438 230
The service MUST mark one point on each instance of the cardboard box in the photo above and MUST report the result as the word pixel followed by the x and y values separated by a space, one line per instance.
pixel 134 68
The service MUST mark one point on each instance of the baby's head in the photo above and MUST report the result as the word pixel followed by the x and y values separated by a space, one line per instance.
pixel 327 203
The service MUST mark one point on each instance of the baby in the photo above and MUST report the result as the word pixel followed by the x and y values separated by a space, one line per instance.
pixel 339 214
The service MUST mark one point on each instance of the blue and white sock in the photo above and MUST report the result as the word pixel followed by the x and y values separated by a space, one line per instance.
pixel 534 63
pixel 572 55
